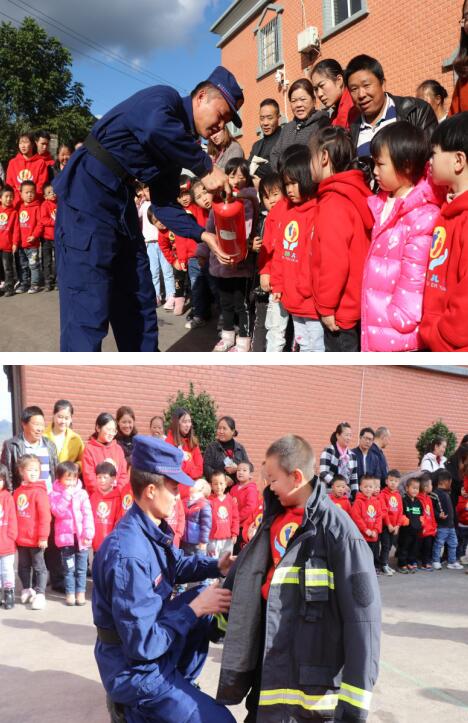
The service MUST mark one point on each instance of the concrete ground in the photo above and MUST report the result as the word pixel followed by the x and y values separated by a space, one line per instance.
pixel 48 673
pixel 31 323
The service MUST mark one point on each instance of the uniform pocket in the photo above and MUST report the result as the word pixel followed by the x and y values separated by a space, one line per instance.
pixel 315 581
pixel 319 675
pixel 77 238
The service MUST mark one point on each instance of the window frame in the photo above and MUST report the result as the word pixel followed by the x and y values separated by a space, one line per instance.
pixel 259 31
pixel 328 12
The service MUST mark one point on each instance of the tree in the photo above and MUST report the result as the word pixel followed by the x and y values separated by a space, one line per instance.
pixel 437 429
pixel 202 409
pixel 37 88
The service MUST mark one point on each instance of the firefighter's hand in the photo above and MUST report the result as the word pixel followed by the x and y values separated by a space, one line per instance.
pixel 330 323
pixel 212 242
pixel 225 562
pixel 217 181
pixel 212 600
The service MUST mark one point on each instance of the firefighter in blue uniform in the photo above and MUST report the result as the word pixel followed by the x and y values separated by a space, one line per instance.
pixel 149 648
pixel 102 264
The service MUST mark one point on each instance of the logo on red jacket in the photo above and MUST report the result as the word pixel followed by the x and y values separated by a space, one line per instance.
pixel 53 214
pixel 371 512
pixel 428 510
pixel 3 219
pixel 23 217
pixel 291 237
pixel 285 534
pixel 25 175
pixel 393 502
pixel 102 511
pixel 127 502
pixel 438 254
pixel 22 503
pixel 223 513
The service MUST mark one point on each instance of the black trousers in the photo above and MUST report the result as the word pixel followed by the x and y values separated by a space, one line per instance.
pixel 387 539
pixel 233 300
pixel 48 261
pixel 31 560
pixel 409 545
pixel 7 264
pixel 343 340
pixel 258 330
pixel 53 559
pixel 180 278
pixel 426 550
pixel 375 546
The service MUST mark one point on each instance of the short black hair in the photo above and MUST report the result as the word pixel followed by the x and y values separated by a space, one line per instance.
pixel 364 62
pixel 339 478
pixel 106 468
pixel 140 479
pixel 248 463
pixel 452 134
pixel 218 473
pixel 339 145
pixel 61 404
pixel 29 412
pixel 42 134
pixel 27 183
pixel 5 477
pixel 268 183
pixel 66 468
pixel 425 476
pixel 412 480
pixel 434 87
pixel 329 67
pixel 288 153
pixel 408 147
pixel 270 101
pixel 7 189
pixel 366 477
pixel 394 473
pixel 236 164
pixel 366 430
pixel 442 475
pixel 296 169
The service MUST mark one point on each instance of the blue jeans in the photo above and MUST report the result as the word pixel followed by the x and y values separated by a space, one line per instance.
pixel 74 562
pixel 309 334
pixel 158 264
pixel 445 536
pixel 203 286
pixel 30 263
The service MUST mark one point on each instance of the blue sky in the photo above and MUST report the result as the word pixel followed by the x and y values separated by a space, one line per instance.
pixel 167 38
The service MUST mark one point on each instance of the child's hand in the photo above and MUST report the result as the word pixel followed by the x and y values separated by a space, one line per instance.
pixel 256 244
pixel 87 542
pixel 277 296
pixel 234 539
pixel 443 516
pixel 391 529
pixel 202 546
pixel 265 282
pixel 369 533
pixel 183 267
pixel 396 530
pixel 42 544
pixel 13 251
pixel 177 265
pixel 330 323
pixel 31 239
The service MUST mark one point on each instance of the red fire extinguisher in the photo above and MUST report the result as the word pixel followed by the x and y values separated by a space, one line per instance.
pixel 229 218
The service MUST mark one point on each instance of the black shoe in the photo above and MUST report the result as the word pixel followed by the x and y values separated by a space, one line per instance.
pixel 8 598
pixel 21 290
pixel 48 288
pixel 9 293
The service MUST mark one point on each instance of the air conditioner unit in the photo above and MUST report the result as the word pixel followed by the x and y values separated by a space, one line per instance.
pixel 308 40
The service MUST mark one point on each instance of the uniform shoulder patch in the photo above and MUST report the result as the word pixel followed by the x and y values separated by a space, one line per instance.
pixel 361 587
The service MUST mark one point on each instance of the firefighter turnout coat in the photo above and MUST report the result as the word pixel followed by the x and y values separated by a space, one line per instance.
pixel 322 621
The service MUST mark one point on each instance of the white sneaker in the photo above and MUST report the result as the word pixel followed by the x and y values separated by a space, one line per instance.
pixel 436 566
pixel 169 305
pixel 27 595
pixel 454 566
pixel 39 602
pixel 464 560
pixel 387 570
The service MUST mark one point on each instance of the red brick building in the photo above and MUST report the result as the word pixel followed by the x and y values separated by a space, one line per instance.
pixel 414 41
pixel 265 401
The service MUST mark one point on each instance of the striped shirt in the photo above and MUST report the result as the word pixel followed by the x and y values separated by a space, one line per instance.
pixel 40 450
pixel 368 131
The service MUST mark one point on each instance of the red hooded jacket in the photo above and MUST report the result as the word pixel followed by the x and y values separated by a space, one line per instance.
pixel 367 514
pixel 49 160
pixel 339 246
pixel 106 513
pixel 27 169
pixel 342 502
pixel 176 247
pixel 48 214
pixel 30 224
pixel 8 523
pixel 177 521
pixel 444 324
pixel 272 233
pixel 225 517
pixel 253 519
pixel 247 499
pixel 392 504
pixel 9 229
pixel 200 214
pixel 290 270
pixel 429 523
pixel 94 453
pixel 345 112
pixel 462 510
pixel 32 513
pixel 126 498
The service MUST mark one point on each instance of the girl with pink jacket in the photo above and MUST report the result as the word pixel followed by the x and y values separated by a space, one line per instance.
pixel 74 529
pixel 405 212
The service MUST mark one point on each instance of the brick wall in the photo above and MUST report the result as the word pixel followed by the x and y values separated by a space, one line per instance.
pixel 266 401
pixel 411 39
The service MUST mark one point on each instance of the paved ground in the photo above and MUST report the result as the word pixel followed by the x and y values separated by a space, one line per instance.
pixel 47 669
pixel 31 323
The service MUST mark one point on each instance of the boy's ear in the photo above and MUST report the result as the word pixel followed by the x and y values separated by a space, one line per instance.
pixel 461 161
pixel 298 477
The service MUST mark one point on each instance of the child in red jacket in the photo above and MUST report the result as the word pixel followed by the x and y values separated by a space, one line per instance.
pixel 48 214
pixel 105 503
pixel 126 499
pixel 462 515
pixel 177 250
pixel 367 514
pixel 246 494
pixel 33 516
pixel 443 326
pixel 30 226
pixel 27 165
pixel 339 493
pixel 291 279
pixel 225 517
pixel 8 535
pixel 9 237
pixel 429 523
pixel 341 237
pixel 393 518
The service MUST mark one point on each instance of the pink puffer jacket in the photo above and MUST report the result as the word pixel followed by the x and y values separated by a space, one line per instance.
pixel 73 515
pixel 395 271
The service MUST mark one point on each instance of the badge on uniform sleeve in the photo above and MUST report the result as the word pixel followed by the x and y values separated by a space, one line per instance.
pixel 158 579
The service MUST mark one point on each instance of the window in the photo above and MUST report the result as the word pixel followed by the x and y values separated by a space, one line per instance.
pixel 343 9
pixel 269 41
pixel 339 13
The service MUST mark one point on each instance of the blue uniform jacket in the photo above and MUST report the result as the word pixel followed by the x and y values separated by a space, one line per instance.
pixel 134 572
pixel 152 136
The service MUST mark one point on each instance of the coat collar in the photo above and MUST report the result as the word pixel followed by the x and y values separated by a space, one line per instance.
pixel 160 534
pixel 188 108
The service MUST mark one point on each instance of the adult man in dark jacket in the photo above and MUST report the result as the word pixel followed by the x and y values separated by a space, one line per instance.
pixel 366 463
pixel 366 82
pixel 270 126
pixel 102 263
pixel 377 459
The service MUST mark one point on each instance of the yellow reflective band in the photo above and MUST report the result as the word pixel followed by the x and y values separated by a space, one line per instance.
pixel 355 696
pixel 285 575
pixel 288 696
pixel 221 622
pixel 320 577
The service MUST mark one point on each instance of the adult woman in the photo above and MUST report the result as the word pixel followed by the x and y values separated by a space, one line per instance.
pixel 126 430
pixel 460 66
pixel 63 156
pixel 68 443
pixel 435 94
pixel 338 458
pixel 225 452
pixel 330 89
pixel 457 465
pixel 222 147
pixel 181 434
pixel 305 123
pixel 102 447
pixel 156 427
pixel 434 459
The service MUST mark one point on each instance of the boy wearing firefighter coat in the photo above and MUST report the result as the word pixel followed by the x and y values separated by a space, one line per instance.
pixel 310 651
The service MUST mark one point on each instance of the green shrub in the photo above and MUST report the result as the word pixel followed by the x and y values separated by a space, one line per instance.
pixel 437 429
pixel 202 409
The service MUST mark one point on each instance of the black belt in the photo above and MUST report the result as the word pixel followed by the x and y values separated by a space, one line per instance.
pixel 99 152
pixel 108 636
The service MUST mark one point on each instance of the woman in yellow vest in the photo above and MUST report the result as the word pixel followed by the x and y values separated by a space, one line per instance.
pixel 69 444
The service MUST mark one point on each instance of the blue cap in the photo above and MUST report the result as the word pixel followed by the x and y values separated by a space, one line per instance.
pixel 151 454
pixel 229 88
